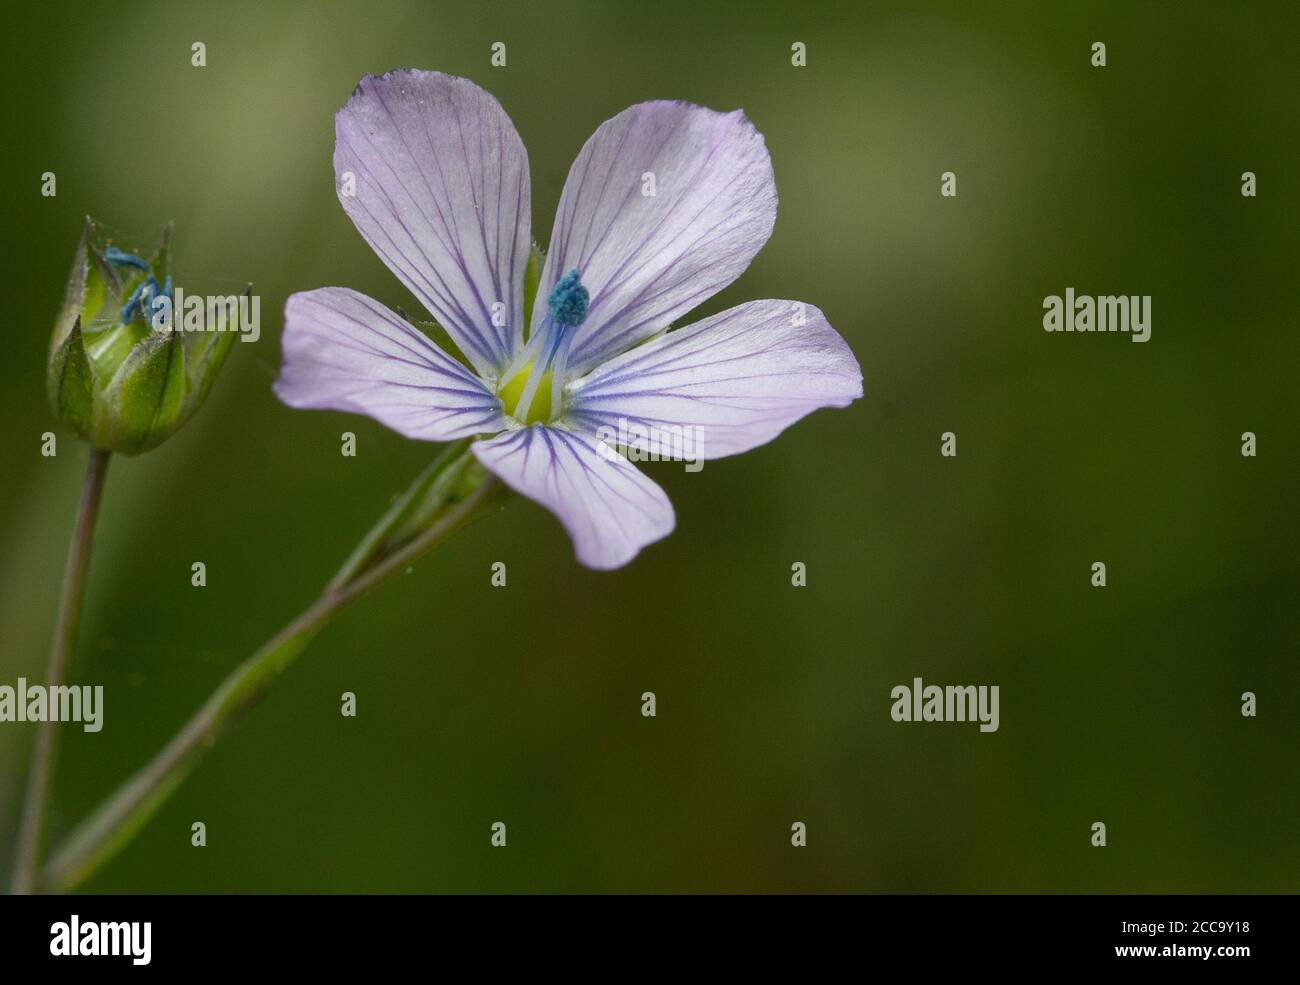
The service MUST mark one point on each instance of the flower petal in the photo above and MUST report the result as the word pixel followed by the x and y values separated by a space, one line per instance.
pixel 442 195
pixel 721 386
pixel 344 351
pixel 647 259
pixel 608 507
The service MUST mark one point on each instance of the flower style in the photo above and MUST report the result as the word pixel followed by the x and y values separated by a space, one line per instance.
pixel 665 206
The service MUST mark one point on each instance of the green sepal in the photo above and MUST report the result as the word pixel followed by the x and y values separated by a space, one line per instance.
pixel 532 280
pixel 74 294
pixel 448 479
pixel 207 354
pixel 146 401
pixel 441 338
pixel 161 261
pixel 70 383
pixel 96 292
pixel 109 347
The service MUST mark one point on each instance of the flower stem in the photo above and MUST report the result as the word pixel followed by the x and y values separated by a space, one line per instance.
pixel 31 837
pixel 119 818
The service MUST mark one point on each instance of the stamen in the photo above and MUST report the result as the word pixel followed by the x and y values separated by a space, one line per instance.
pixel 567 302
pixel 548 350
pixel 526 356
pixel 539 370
pixel 141 298
pixel 120 258
pixel 561 365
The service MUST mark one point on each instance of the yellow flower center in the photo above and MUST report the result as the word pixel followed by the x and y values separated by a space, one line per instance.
pixel 540 410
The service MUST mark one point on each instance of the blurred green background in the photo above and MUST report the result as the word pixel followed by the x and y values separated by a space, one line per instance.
pixel 523 704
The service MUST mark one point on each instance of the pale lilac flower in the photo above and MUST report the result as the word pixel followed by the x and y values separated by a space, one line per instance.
pixel 433 174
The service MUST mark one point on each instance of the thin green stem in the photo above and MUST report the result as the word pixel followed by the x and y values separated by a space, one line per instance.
pixel 126 811
pixel 31 837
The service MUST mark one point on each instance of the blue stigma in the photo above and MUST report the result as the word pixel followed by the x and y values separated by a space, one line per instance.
pixel 120 258
pixel 567 302
pixel 141 298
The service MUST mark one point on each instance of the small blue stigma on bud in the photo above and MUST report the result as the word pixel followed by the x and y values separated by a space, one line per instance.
pixel 120 258
pixel 567 302
pixel 141 298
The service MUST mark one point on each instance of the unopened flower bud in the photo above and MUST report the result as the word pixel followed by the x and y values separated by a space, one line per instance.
pixel 121 374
